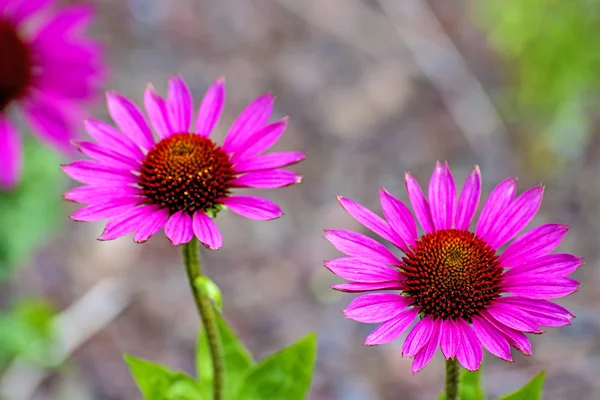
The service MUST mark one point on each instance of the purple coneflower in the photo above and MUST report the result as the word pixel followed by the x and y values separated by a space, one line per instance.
pixel 47 69
pixel 464 292
pixel 184 178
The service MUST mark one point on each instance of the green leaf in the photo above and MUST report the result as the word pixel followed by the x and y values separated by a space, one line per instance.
pixel 531 391
pixel 157 382
pixel 285 375
pixel 469 387
pixel 237 360
pixel 210 289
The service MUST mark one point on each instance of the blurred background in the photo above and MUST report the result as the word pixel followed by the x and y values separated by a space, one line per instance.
pixel 373 88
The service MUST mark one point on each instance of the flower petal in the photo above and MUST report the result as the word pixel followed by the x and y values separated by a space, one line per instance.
pixel 106 209
pixel 129 119
pixel 517 339
pixel 254 117
pixel 500 197
pixel 418 202
pixel 359 287
pixel 400 218
pixel 442 197
pixel 513 318
pixel 180 104
pixel 260 140
pixel 108 157
pixel 533 244
pixel 424 356
pixel 392 328
pixel 357 245
pixel 207 231
pixel 151 224
pixel 210 109
pixel 19 11
pixel 493 340
pixel 111 138
pixel 550 265
pixel 269 161
pixel 126 222
pixel 158 112
pixel 469 200
pixel 362 270
pixel 376 307
pixel 179 228
pixel 252 207
pixel 92 172
pixel 535 286
pixel 450 337
pixel 99 194
pixel 545 312
pixel 10 154
pixel 469 353
pixel 418 337
pixel 269 179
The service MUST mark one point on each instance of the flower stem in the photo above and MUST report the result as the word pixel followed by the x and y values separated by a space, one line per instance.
pixel 452 370
pixel 191 259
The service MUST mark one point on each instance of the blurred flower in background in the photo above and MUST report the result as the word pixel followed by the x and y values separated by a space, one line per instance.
pixel 49 69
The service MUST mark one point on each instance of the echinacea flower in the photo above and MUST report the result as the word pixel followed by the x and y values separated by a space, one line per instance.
pixel 464 291
pixel 182 178
pixel 47 69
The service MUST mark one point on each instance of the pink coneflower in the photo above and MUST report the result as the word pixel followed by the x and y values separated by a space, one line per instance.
pixel 465 292
pixel 47 68
pixel 184 178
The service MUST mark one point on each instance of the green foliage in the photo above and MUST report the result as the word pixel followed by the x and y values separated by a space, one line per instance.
pixel 205 285
pixel 470 386
pixel 531 391
pixel 31 211
pixel 285 375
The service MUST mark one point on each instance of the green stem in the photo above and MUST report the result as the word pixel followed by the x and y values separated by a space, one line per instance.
pixel 452 370
pixel 191 259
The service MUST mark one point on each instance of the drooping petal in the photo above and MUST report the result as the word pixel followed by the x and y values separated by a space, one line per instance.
pixel 129 119
pixel 158 112
pixel 269 179
pixel 107 156
pixel 392 328
pixel 550 265
pixel 99 194
pixel 357 245
pixel 151 224
pixel 469 353
pixel 450 337
pixel 419 203
pixel 500 197
pixel 418 337
pixel 360 287
pixel 513 318
pixel 106 209
pixel 94 173
pixel 517 339
pixel 179 229
pixel 442 197
pixel 545 312
pixel 514 217
pixel 207 231
pixel 371 220
pixel 424 356
pixel 126 222
pixel 111 138
pixel 10 154
pixel 376 307
pixel 180 104
pixel 211 107
pixel 269 161
pixel 469 200
pixel 493 340
pixel 251 207
pixel 536 286
pixel 260 140
pixel 400 218
pixel 533 244
pixel 363 270
pixel 254 117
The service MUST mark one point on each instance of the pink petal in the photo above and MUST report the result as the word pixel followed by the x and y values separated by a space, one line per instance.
pixel 206 231
pixel 180 104
pixel 500 197
pixel 469 353
pixel 359 287
pixel 151 224
pixel 108 157
pixel 392 328
pixel 424 356
pixel 400 218
pixel 92 172
pixel 129 119
pixel 442 197
pixel 65 23
pixel 18 11
pixel 252 207
pixel 109 137
pixel 270 179
pixel 533 244
pixel 515 217
pixel 269 161
pixel 371 220
pixel 469 200
pixel 106 209
pixel 418 202
pixel 546 313
pixel 513 318
pixel 376 307
pixel 450 337
pixel 517 339
pixel 535 286
pixel 357 245
pixel 210 109
pixel 254 117
pixel 99 194
pixel 126 222
pixel 260 140
pixel 550 265
pixel 362 270
pixel 179 228
pixel 158 112
pixel 493 340
pixel 418 337
pixel 11 151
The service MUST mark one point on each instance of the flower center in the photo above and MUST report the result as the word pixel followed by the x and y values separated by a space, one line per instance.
pixel 15 65
pixel 186 172
pixel 452 274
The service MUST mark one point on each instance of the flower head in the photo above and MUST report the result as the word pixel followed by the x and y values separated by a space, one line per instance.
pixel 48 68
pixel 182 178
pixel 465 292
